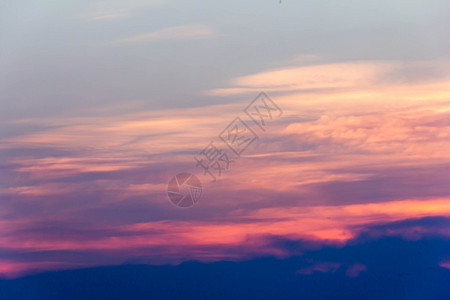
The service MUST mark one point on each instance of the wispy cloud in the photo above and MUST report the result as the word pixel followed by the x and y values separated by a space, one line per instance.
pixel 191 31
pixel 110 10
pixel 354 76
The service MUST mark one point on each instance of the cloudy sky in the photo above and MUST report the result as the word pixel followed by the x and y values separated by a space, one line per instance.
pixel 102 102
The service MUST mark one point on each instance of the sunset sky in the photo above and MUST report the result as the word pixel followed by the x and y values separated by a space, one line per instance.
pixel 102 102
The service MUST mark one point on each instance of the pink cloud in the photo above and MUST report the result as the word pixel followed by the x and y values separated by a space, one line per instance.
pixel 355 269
pixel 338 161
pixel 445 264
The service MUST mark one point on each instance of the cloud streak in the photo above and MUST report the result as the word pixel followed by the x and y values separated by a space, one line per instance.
pixel 191 31
pixel 112 10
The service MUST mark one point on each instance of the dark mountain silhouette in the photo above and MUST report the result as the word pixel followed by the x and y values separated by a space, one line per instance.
pixel 368 267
